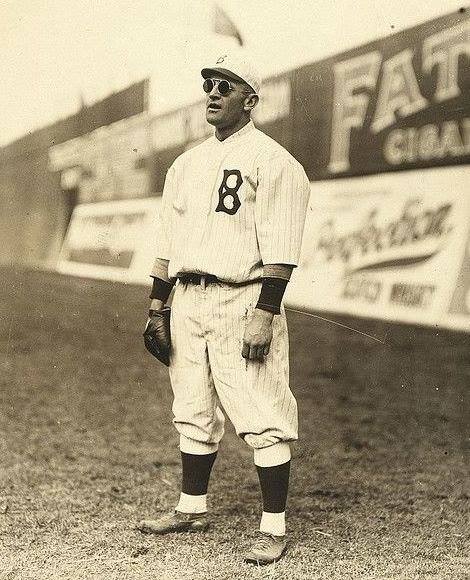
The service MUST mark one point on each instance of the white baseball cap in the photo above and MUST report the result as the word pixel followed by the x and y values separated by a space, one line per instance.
pixel 237 68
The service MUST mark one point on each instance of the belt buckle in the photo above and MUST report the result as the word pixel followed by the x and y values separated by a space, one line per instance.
pixel 203 281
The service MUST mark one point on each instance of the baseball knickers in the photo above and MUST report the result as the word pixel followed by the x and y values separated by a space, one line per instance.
pixel 208 372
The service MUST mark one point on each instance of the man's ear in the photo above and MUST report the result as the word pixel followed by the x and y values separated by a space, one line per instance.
pixel 251 101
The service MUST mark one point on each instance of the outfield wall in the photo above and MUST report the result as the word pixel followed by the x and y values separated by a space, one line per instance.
pixel 36 201
pixel 396 104
pixel 392 246
pixel 383 132
pixel 112 241
pixel 395 247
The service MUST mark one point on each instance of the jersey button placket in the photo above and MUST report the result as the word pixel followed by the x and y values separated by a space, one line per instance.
pixel 200 218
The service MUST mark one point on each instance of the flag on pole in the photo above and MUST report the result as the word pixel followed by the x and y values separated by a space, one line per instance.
pixel 223 25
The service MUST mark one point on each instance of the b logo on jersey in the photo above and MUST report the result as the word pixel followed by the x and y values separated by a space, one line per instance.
pixel 229 202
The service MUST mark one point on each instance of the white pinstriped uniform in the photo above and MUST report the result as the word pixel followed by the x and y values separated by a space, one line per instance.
pixel 229 207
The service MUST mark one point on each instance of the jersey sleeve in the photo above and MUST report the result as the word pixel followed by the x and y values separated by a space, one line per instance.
pixel 164 225
pixel 281 206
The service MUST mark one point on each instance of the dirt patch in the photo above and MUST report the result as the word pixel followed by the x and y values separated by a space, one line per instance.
pixel 380 483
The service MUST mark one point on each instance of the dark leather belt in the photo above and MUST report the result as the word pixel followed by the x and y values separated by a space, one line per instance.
pixel 199 279
pixel 205 279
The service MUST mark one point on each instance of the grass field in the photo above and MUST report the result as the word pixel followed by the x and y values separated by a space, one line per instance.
pixel 381 475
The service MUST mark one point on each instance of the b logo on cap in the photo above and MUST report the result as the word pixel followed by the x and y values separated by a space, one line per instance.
pixel 221 59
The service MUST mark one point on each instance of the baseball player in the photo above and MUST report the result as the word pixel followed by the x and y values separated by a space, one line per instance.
pixel 232 216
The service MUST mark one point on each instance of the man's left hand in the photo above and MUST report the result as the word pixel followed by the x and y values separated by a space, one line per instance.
pixel 258 335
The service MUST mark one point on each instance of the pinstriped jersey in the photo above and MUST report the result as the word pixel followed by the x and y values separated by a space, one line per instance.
pixel 230 206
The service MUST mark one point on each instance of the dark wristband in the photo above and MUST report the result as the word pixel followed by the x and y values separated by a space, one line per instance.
pixel 161 289
pixel 272 292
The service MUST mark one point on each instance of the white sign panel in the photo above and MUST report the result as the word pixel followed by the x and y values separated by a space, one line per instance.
pixel 458 316
pixel 387 246
pixel 111 240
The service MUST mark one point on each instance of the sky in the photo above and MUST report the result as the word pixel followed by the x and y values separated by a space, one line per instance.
pixel 56 53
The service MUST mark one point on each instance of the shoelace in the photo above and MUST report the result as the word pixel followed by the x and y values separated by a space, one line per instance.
pixel 264 542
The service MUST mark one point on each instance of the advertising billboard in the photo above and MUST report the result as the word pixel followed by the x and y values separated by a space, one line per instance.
pixel 390 246
pixel 399 103
pixel 111 240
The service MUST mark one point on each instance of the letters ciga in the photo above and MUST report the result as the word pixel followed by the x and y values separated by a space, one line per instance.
pixel 399 94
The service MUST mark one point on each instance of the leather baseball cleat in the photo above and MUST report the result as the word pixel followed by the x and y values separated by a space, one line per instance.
pixel 175 522
pixel 267 549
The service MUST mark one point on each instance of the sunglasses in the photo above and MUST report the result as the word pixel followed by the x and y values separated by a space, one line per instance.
pixel 223 86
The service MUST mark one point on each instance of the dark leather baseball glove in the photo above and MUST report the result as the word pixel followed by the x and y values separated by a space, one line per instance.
pixel 157 337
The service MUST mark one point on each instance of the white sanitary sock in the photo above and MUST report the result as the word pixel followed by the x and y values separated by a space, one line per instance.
pixel 274 524
pixel 192 504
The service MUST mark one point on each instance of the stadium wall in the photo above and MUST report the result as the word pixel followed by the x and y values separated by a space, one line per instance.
pixel 395 104
pixel 371 126
pixel 383 132
pixel 36 202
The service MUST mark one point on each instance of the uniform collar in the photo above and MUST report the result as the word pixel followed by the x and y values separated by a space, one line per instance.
pixel 240 133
